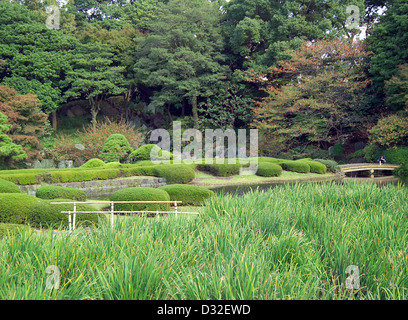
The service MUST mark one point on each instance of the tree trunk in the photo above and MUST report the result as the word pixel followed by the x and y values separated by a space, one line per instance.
pixel 95 106
pixel 195 110
pixel 54 120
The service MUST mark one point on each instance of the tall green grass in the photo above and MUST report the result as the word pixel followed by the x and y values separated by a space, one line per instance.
pixel 292 242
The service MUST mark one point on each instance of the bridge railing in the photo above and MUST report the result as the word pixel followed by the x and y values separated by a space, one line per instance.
pixel 72 214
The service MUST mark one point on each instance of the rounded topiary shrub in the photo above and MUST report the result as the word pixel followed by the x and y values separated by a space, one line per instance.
pixel 189 195
pixel 116 148
pixel 175 173
pixel 141 194
pixel 9 187
pixel 47 215
pixel 114 164
pixel 331 165
pixel 145 153
pixel 295 166
pixel 15 207
pixel 315 166
pixel 268 169
pixel 55 192
pixel 93 163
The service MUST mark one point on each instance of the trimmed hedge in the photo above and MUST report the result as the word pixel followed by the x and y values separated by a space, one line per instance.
pixel 116 148
pixel 189 195
pixel 9 187
pixel 15 208
pixel 315 166
pixel 114 164
pixel 47 215
pixel 24 209
pixel 174 173
pixel 141 194
pixel 57 192
pixel 295 166
pixel 84 175
pixel 220 170
pixel 268 169
pixel 22 178
pixel 93 163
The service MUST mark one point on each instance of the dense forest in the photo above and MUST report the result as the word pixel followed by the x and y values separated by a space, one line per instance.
pixel 318 78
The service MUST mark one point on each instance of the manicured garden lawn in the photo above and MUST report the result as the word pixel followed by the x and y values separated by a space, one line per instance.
pixel 292 242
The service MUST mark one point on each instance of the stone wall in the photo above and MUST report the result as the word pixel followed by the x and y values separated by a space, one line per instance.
pixel 102 189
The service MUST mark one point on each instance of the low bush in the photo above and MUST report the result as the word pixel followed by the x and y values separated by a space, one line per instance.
pixel 396 155
pixel 22 179
pixel 46 215
pixel 295 166
pixel 331 165
pixel 15 207
pixel 268 169
pixel 93 163
pixel 10 229
pixel 80 175
pixel 139 171
pixel 315 166
pixel 56 192
pixel 145 153
pixel 9 187
pixel 221 170
pixel 189 195
pixel 141 194
pixel 401 171
pixel 174 173
pixel 114 164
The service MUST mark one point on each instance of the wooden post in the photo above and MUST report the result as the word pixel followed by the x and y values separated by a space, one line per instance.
pixel 74 217
pixel 112 210
pixel 175 207
pixel 69 221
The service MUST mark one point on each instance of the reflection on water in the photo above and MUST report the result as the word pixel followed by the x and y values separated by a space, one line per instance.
pixel 242 189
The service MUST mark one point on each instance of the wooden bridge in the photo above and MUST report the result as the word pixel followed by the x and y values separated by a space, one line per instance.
pixel 354 167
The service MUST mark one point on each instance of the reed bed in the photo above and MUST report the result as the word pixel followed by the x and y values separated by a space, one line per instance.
pixel 291 242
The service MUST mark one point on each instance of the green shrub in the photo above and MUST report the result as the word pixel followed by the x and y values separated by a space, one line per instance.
pixel 221 170
pixel 15 207
pixel 10 229
pixel 174 173
pixel 357 154
pixel 114 164
pixel 141 194
pixel 80 175
pixel 315 166
pixel 139 171
pixel 116 148
pixel 396 155
pixel 144 153
pixel 189 195
pixel 295 166
pixel 47 215
pixel 401 171
pixel 93 163
pixel 338 151
pixel 22 179
pixel 371 153
pixel 268 169
pixel 331 165
pixel 9 187
pixel 56 192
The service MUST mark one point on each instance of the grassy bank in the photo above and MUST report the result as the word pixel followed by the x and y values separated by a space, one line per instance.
pixel 294 242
